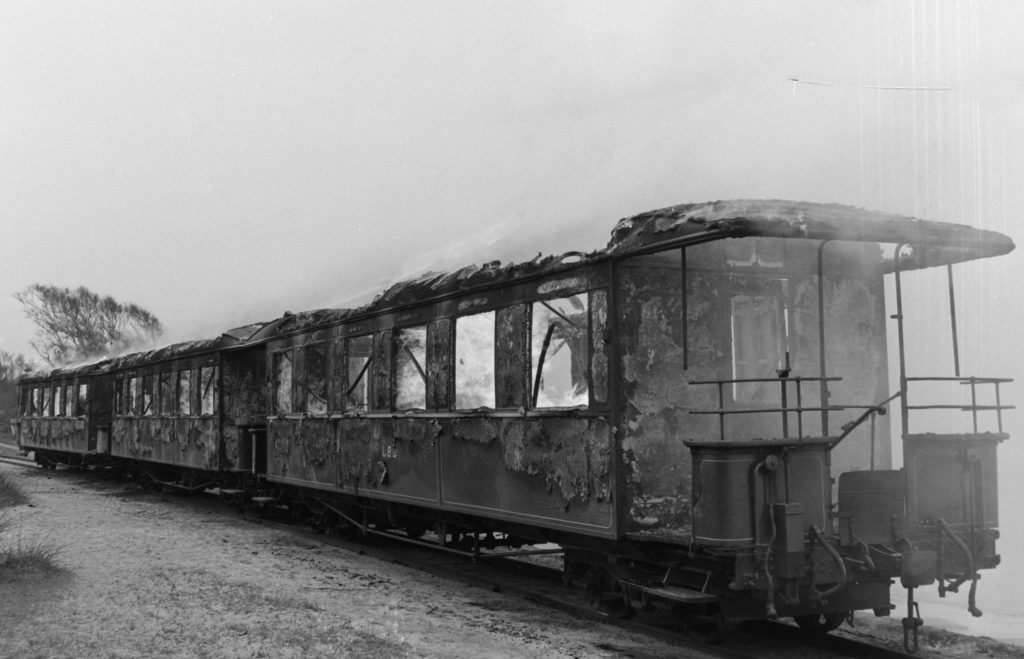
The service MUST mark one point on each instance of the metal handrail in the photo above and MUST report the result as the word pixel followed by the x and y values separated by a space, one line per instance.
pixel 974 407
pixel 785 409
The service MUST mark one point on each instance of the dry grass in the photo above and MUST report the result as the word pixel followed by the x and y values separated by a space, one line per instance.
pixel 10 495
pixel 23 559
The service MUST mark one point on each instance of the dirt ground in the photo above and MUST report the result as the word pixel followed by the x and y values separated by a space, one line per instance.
pixel 146 575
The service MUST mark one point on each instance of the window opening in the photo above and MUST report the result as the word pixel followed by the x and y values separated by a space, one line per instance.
pixel 83 400
pixel 69 400
pixel 208 387
pixel 58 400
pixel 119 396
pixel 316 378
pixel 283 382
pixel 166 393
pixel 132 397
pixel 360 354
pixel 185 392
pixel 47 409
pixel 474 361
pixel 410 376
pixel 559 342
pixel 760 327
pixel 147 395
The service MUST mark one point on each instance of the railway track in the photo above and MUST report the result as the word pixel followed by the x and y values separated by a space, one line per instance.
pixel 19 462
pixel 543 585
pixel 534 581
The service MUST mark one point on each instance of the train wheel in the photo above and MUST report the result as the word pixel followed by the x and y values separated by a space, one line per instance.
pixel 608 594
pixel 820 623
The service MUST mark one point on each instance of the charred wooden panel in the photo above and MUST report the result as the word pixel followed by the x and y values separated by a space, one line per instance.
pixel 397 457
pixel 512 356
pixel 550 471
pixel 380 367
pixel 439 377
pixel 337 378
pixel 58 434
pixel 302 450
pixel 655 392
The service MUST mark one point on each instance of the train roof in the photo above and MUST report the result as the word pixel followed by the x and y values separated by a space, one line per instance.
pixel 233 339
pixel 931 244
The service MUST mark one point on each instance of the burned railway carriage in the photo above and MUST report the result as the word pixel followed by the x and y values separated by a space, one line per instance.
pixel 690 413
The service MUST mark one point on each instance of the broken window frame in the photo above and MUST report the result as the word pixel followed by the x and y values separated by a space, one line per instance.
pixel 58 400
pixel 69 400
pixel 184 389
pixel 147 395
pixel 132 396
pixel 401 401
pixel 361 377
pixel 539 361
pixel 208 390
pixel 487 363
pixel 167 393
pixel 119 396
pixel 283 394
pixel 82 400
pixel 315 398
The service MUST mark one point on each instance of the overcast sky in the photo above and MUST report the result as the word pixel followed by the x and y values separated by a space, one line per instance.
pixel 222 162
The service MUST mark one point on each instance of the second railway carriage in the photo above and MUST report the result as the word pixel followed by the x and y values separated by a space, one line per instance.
pixel 673 410
pixel 64 414
pixel 190 414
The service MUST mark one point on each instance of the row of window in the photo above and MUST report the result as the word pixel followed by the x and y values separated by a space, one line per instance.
pixel 186 392
pixel 56 400
pixel 548 354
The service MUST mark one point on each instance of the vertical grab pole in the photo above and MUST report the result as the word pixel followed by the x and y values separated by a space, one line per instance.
pixel 821 338
pixel 952 320
pixel 904 412
pixel 685 325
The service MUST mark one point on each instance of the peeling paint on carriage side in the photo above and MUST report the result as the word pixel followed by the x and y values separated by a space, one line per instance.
pixel 571 455
pixel 58 434
pixel 303 449
pixel 398 456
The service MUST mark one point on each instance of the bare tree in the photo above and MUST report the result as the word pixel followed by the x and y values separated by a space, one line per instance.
pixel 78 324
pixel 11 366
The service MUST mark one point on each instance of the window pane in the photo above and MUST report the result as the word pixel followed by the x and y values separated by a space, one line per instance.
pixel 559 348
pixel 410 368
pixel 83 399
pixel 474 361
pixel 208 388
pixel 316 378
pixel 58 401
pixel 282 382
pixel 185 392
pixel 69 400
pixel 360 350
pixel 147 395
pixel 166 393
